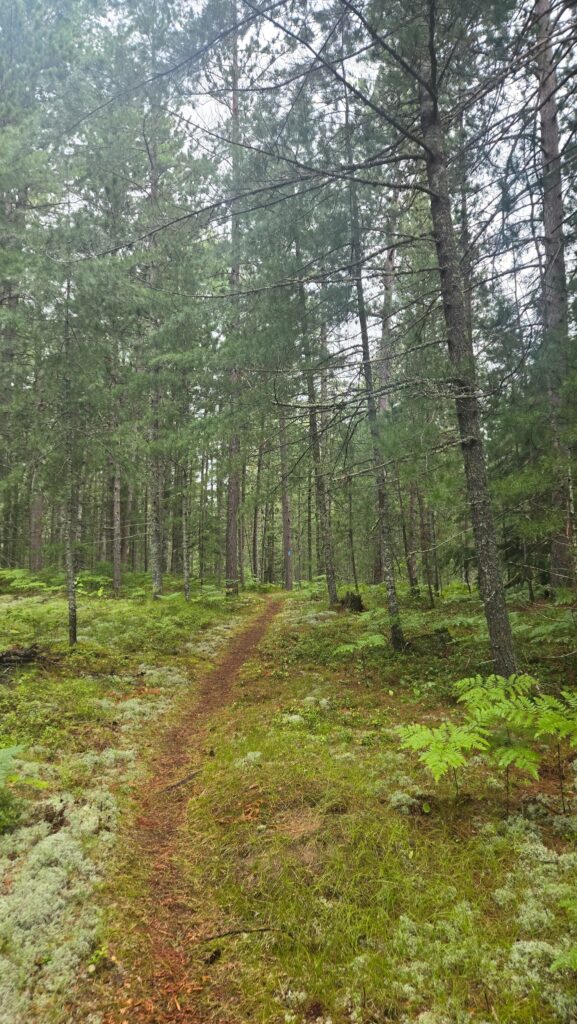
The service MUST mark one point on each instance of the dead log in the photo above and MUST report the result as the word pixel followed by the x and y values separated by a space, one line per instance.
pixel 20 655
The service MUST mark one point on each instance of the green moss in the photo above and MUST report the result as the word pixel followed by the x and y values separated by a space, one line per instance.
pixel 79 718
pixel 382 900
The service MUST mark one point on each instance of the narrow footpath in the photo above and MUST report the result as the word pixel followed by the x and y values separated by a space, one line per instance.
pixel 161 991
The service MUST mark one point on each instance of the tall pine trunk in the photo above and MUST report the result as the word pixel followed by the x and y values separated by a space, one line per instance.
pixel 285 506
pixel 325 536
pixel 462 360
pixel 36 527
pixel 234 484
pixel 384 532
pixel 155 490
pixel 256 510
pixel 555 300
pixel 116 535
pixel 185 521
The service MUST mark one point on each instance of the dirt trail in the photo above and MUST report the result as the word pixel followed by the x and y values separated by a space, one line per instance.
pixel 169 998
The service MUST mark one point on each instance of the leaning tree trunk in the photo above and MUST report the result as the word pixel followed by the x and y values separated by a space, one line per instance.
pixel 464 383
pixel 555 302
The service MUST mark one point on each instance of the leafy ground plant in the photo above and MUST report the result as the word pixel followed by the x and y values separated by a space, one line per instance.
pixel 507 721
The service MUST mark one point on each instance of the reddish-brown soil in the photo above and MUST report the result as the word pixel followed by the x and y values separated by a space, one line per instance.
pixel 162 991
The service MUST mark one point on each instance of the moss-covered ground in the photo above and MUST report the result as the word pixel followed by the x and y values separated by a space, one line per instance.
pixel 76 728
pixel 355 889
pixel 327 876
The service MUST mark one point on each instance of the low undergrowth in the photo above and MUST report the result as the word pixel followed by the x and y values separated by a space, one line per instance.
pixel 331 880
pixel 73 729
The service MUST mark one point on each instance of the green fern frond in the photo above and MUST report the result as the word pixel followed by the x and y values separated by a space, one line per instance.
pixel 521 757
pixel 443 747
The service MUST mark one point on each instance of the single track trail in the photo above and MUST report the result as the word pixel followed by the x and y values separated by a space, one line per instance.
pixel 161 991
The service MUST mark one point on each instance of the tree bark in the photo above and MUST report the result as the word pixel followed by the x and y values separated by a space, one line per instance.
pixel 116 535
pixel 36 526
pixel 71 456
pixel 256 511
pixel 233 493
pixel 555 299
pixel 324 523
pixel 350 532
pixel 425 546
pixel 70 567
pixel 285 506
pixel 385 354
pixel 232 508
pixel 186 530
pixel 155 490
pixel 385 546
pixel 408 526
pixel 462 360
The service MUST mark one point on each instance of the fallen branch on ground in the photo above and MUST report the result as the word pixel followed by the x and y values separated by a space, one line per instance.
pixel 181 782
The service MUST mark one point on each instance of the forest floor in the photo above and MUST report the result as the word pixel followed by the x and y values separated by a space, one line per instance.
pixel 221 825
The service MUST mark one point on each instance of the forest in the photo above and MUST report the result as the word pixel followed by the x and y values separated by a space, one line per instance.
pixel 288 526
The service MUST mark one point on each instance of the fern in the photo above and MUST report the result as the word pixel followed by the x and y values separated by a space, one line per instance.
pixel 370 642
pixel 556 717
pixel 444 747
pixel 482 696
pixel 524 758
pixel 344 649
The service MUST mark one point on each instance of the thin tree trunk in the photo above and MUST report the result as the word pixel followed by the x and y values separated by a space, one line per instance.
pixel 462 359
pixel 70 567
pixel 233 494
pixel 186 530
pixel 412 541
pixel 351 534
pixel 555 300
pixel 70 520
pixel 232 509
pixel 270 547
pixel 408 530
pixel 385 545
pixel 324 522
pixel 36 525
pixel 155 489
pixel 385 354
pixel 425 546
pixel 255 517
pixel 116 535
pixel 202 520
pixel 435 554
pixel 285 505
pixel 310 526
pixel 241 526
